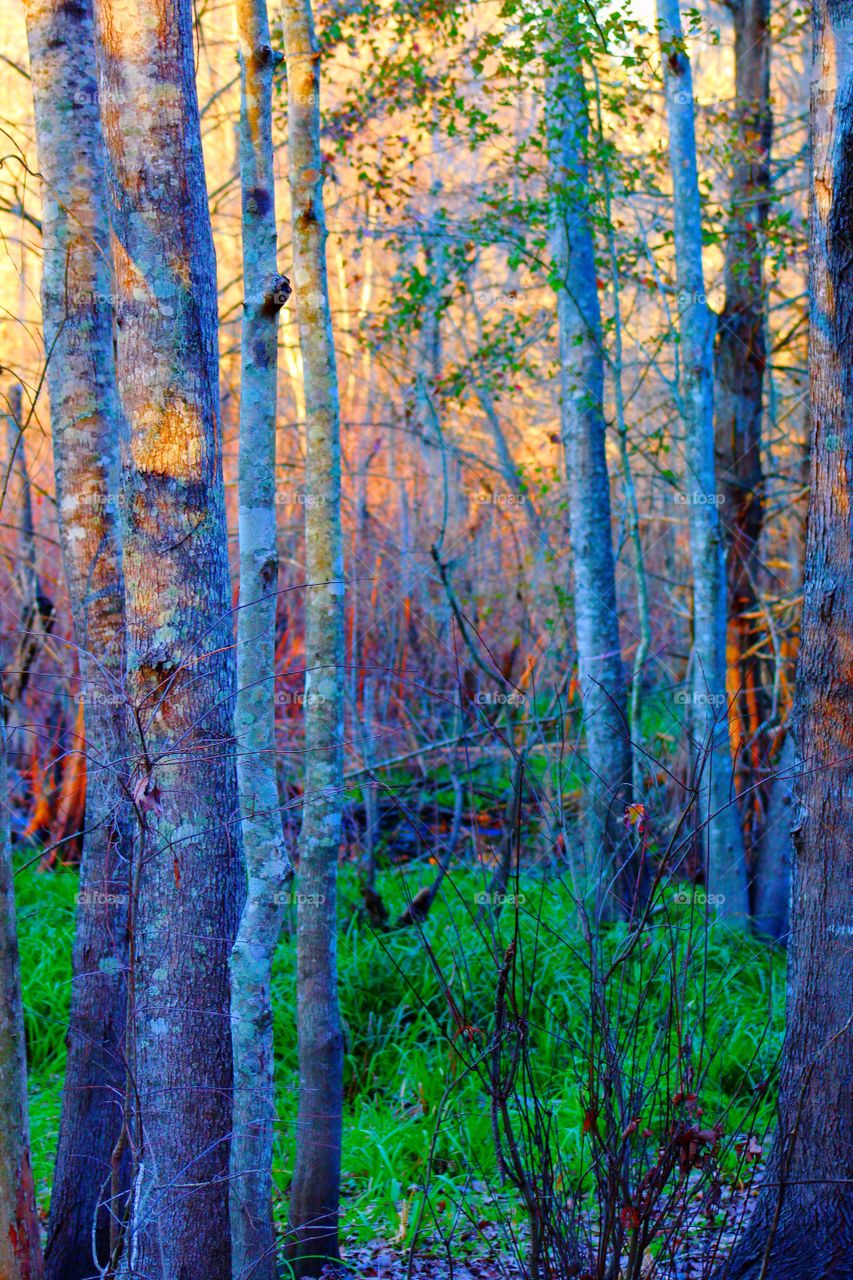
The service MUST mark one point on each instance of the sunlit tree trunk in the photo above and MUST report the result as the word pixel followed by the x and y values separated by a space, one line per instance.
pixel 803 1221
pixel 84 412
pixel 740 361
pixel 314 1193
pixel 20 1242
pixel 181 672
pixel 726 868
pixel 582 390
pixel 268 866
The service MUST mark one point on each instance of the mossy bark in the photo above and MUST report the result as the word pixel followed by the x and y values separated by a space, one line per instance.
pixel 77 315
pixel 267 862
pixel 719 821
pixel 607 875
pixel 802 1224
pixel 187 873
pixel 314 1197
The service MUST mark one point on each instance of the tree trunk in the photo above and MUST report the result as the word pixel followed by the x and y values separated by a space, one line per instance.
pixel 803 1221
pixel 314 1196
pixel 36 609
pixel 268 866
pixel 181 675
pixel 740 361
pixel 77 317
pixel 20 1242
pixel 718 814
pixel 772 878
pixel 582 390
pixel 629 491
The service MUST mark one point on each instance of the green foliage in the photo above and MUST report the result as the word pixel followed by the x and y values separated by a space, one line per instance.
pixel 406 1053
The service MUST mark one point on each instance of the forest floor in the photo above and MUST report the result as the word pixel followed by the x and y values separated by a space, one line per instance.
pixel 419 1159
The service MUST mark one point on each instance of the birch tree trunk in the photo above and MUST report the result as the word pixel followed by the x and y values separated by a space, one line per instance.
pixel 314 1196
pixel 803 1220
pixel 20 1242
pixel 77 317
pixel 583 430
pixel 268 866
pixel 720 824
pixel 741 356
pixel 181 674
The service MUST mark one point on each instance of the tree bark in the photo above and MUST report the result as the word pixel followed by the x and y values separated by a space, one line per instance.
pixel 741 356
pixel 36 609
pixel 181 673
pixel 599 648
pixel 803 1220
pixel 771 903
pixel 718 815
pixel 268 865
pixel 20 1241
pixel 314 1197
pixel 77 316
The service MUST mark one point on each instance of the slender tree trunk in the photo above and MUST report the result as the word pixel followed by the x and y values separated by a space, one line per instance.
pixel 268 866
pixel 774 852
pixel 84 410
pixel 582 390
pixel 36 609
pixel 725 864
pixel 181 673
pixel 629 492
pixel 20 1241
pixel 740 362
pixel 803 1221
pixel 314 1196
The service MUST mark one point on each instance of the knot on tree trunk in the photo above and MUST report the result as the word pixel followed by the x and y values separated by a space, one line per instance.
pixel 265 56
pixel 277 295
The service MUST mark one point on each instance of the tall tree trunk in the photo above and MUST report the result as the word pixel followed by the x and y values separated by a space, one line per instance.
pixel 84 411
pixel 268 866
pixel 718 814
pixel 181 672
pixel 771 903
pixel 740 361
pixel 20 1242
pixel 629 488
pixel 582 391
pixel 36 609
pixel 803 1221
pixel 314 1196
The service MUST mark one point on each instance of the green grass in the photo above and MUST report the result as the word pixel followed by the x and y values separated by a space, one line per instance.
pixel 402 1049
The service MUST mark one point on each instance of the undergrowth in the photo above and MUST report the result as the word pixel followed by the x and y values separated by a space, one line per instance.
pixel 419 1003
